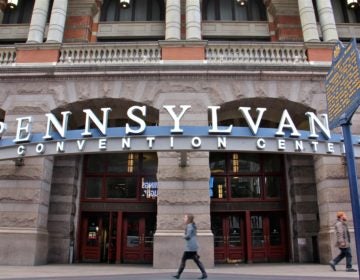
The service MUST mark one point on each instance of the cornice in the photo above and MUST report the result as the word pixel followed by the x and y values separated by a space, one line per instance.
pixel 163 72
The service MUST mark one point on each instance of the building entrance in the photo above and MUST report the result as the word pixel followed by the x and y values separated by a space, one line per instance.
pixel 229 237
pixel 113 237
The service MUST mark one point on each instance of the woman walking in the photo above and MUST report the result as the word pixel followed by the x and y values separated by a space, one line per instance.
pixel 191 247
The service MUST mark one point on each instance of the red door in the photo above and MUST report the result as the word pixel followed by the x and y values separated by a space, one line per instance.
pixel 228 233
pixel 268 237
pixel 91 238
pixel 138 238
pixel 98 237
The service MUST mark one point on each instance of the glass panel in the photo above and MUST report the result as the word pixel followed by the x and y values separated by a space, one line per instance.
pixel 93 187
pixel 338 11
pixel 275 231
pixel 241 13
pixel 150 227
pixel 245 187
pixel 257 232
pixel 150 163
pixel 96 163
pixel 273 185
pixel 121 187
pixel 123 163
pixel 210 10
pixel 217 229
pixel 92 232
pixel 125 14
pixel 226 9
pixel 234 231
pixel 217 162
pixel 272 163
pixel 141 10
pixel 111 11
pixel 156 11
pixel 133 236
pixel 245 162
pixel 219 187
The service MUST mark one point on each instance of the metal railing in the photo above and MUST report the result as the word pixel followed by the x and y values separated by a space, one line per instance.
pixel 268 53
pixel 110 53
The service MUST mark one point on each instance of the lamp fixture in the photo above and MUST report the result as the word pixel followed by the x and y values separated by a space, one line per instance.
pixel 352 4
pixel 12 4
pixel 242 3
pixel 124 4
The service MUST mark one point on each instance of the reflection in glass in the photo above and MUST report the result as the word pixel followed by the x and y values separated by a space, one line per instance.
pixel 217 229
pixel 133 234
pixel 275 235
pixel 245 187
pixel 218 162
pixel 257 231
pixel 93 187
pixel 219 187
pixel 150 227
pixel 273 186
pixel 121 187
pixel 272 163
pixel 234 231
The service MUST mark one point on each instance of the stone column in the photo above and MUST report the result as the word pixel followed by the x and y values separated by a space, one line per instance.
pixel 181 190
pixel 173 20
pixel 2 8
pixel 333 195
pixel 38 21
pixel 193 20
pixel 57 21
pixel 327 20
pixel 308 21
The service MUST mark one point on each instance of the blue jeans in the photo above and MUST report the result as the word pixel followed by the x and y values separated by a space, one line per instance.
pixel 344 252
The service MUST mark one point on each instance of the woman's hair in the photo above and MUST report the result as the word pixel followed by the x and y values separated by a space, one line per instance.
pixel 190 218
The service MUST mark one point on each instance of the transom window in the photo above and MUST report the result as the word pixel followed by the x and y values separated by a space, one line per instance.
pixel 120 176
pixel 230 10
pixel 139 10
pixel 246 176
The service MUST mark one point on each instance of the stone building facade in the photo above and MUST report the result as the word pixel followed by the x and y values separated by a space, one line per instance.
pixel 77 55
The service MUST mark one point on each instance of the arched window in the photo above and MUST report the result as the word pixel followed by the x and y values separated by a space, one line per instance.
pixel 21 14
pixel 139 10
pixel 230 10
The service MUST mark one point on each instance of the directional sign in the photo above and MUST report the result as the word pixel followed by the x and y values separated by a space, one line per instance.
pixel 343 84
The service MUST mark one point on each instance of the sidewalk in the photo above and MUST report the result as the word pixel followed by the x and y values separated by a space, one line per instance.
pixel 56 270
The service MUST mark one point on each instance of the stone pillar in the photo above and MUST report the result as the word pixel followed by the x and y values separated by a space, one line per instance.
pixel 333 195
pixel 182 190
pixel 308 21
pixel 63 207
pixel 173 20
pixel 24 192
pixel 327 20
pixel 193 20
pixel 303 209
pixel 38 21
pixel 57 21
pixel 2 8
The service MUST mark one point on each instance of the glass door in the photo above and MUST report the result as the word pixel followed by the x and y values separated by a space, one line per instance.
pixel 228 233
pixel 268 237
pixel 138 238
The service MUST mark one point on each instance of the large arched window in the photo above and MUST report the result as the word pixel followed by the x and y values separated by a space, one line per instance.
pixel 21 14
pixel 230 10
pixel 139 10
